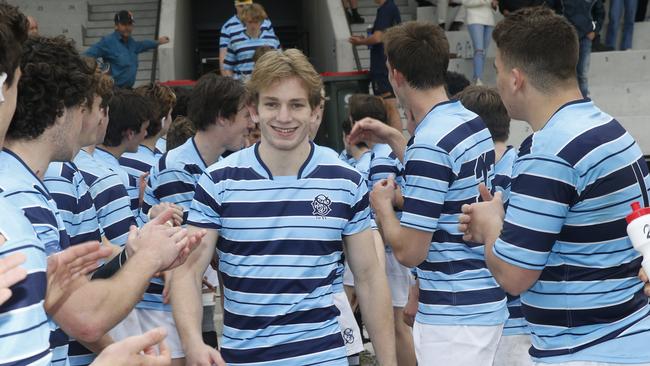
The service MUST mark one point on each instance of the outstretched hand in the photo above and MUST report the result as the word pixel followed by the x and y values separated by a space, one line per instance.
pixel 10 274
pixel 137 350
pixel 67 269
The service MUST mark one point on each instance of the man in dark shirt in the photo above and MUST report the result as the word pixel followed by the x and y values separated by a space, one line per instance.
pixel 387 16
pixel 121 51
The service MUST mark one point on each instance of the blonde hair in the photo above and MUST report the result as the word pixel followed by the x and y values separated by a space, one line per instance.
pixel 280 65
pixel 162 96
pixel 253 13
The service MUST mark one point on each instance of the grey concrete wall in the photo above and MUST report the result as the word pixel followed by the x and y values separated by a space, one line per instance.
pixel 175 58
pixel 60 17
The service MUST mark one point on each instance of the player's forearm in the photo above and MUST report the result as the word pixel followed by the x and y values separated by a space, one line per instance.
pixel 94 309
pixel 397 143
pixel 372 290
pixel 186 304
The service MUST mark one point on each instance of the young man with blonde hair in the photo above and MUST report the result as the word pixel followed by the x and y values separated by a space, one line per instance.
pixel 281 213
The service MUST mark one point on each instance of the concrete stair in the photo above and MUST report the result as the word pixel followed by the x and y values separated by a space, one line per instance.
pixel 100 16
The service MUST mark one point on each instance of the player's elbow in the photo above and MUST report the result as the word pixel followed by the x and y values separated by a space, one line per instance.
pixel 89 331
pixel 409 259
pixel 514 285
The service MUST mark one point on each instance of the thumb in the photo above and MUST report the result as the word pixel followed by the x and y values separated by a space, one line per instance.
pixel 135 344
pixel 498 197
pixel 485 192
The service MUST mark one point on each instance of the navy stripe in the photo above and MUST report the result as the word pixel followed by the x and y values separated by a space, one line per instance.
pixel 284 351
pixel 587 317
pixel 193 169
pixel 77 349
pixel 40 215
pixel 461 133
pixel 135 164
pixel 279 247
pixel 612 182
pixel 453 267
pixel 567 272
pixel 459 298
pixel 280 209
pixel 82 238
pixel 28 361
pixel 430 170
pixel 422 208
pixel 234 173
pixel 276 286
pixel 522 237
pixel 386 169
pixel 172 188
pixel 594 166
pixel 441 236
pixel 58 338
pixel 544 188
pixel 243 322
pixel 27 292
pixel 335 172
pixel 640 173
pixel 594 233
pixel 586 142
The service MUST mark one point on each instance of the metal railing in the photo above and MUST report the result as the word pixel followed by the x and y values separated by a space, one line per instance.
pixel 154 61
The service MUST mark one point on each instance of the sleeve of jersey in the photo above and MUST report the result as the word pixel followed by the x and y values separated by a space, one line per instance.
pixel 113 210
pixel 427 175
pixel 224 39
pixel 205 209
pixel 170 185
pixel 230 61
pixel 360 211
pixel 64 193
pixel 542 189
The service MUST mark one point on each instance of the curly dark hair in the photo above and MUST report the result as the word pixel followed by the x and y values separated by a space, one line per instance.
pixel 128 110
pixel 13 33
pixel 182 99
pixel 215 96
pixel 54 78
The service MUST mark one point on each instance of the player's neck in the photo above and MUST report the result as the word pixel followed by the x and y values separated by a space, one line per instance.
pixel 499 149
pixel 422 101
pixel 357 152
pixel 150 142
pixel 36 154
pixel 540 107
pixel 209 146
pixel 116 151
pixel 90 149
pixel 284 162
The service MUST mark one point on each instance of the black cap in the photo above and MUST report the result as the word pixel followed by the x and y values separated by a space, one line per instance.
pixel 124 17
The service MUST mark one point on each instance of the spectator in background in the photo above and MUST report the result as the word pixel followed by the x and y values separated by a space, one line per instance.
pixel 641 10
pixel 618 8
pixel 233 27
pixel 579 14
pixel 387 16
pixel 33 26
pixel 598 14
pixel 480 23
pixel 120 50
pixel 239 56
pixel 352 12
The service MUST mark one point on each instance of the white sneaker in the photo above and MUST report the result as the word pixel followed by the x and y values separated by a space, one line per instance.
pixel 478 82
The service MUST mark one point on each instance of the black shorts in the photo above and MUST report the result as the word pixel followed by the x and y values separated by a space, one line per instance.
pixel 381 87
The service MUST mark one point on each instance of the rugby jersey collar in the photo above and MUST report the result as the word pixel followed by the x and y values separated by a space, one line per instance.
pixel 198 153
pixel 300 171
pixel 441 104
pixel 551 121
pixel 109 156
pixel 148 149
pixel 20 162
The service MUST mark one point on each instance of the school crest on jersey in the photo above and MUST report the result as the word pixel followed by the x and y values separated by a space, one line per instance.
pixel 321 205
